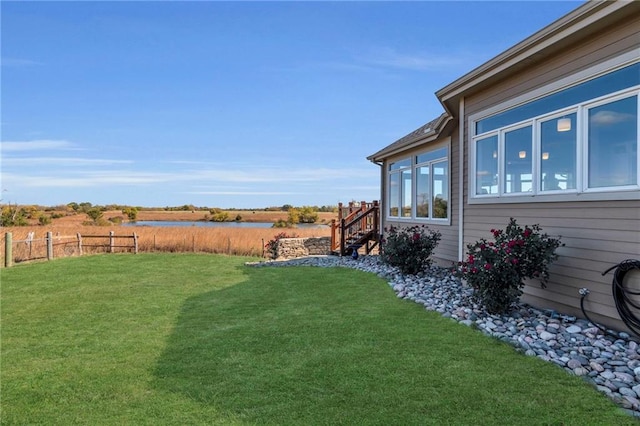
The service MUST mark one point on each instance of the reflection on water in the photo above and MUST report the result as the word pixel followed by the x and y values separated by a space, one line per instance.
pixel 202 223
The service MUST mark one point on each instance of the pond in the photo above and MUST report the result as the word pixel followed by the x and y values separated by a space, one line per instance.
pixel 202 223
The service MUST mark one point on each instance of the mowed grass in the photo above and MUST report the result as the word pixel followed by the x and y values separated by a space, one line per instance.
pixel 202 339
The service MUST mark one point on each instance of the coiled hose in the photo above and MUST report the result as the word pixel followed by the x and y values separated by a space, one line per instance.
pixel 621 296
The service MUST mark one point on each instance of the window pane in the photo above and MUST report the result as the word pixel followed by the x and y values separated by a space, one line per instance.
pixel 394 194
pixel 422 191
pixel 517 152
pixel 558 153
pixel 608 83
pixel 400 164
pixel 406 193
pixel 441 190
pixel 613 144
pixel 487 165
pixel 432 155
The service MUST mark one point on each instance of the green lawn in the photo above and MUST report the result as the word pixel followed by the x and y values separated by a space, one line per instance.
pixel 201 339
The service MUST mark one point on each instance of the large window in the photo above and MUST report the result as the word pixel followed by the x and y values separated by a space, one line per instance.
pixel 577 140
pixel 400 188
pixel 419 186
pixel 613 143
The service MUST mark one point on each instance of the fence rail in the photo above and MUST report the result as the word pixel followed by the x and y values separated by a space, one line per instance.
pixel 33 248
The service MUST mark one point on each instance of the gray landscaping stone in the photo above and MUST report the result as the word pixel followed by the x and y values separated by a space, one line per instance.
pixel 573 329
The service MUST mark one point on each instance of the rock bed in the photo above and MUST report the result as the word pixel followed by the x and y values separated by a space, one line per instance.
pixel 612 364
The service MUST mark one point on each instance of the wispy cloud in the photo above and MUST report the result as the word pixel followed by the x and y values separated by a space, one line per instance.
pixel 35 145
pixel 416 61
pixel 605 118
pixel 78 177
pixel 284 175
pixel 61 162
pixel 383 59
pixel 241 193
pixel 85 179
pixel 19 62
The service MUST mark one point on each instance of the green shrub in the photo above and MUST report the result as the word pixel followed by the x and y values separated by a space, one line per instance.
pixel 13 216
pixel 308 215
pixel 294 216
pixel 409 249
pixel 44 219
pixel 131 212
pixel 220 216
pixel 496 269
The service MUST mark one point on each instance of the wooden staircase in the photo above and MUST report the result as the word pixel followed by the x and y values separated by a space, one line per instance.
pixel 358 226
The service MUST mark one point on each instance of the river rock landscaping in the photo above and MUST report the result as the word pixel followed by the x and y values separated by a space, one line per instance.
pixel 610 361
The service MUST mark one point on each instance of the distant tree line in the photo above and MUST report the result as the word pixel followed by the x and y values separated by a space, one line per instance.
pixel 14 215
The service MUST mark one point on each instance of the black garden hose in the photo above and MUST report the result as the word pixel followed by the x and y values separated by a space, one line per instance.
pixel 620 296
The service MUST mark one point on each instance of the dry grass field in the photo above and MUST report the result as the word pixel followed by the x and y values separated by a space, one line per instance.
pixel 188 238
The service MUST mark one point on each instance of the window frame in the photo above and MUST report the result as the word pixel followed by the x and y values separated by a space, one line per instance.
pixel 414 166
pixel 581 162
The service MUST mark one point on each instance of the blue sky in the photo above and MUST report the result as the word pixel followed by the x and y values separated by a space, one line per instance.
pixel 229 104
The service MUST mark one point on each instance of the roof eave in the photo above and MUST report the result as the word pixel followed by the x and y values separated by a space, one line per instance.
pixel 438 131
pixel 545 39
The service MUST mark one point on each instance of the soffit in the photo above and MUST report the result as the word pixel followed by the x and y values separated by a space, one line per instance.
pixel 433 130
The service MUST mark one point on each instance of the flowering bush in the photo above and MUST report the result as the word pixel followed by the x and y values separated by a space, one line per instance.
pixel 497 269
pixel 271 246
pixel 410 248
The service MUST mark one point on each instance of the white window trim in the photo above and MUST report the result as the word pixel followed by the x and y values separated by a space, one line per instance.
pixel 631 192
pixel 445 143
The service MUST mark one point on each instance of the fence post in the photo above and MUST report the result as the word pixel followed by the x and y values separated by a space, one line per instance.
pixel 111 241
pixel 333 235
pixel 8 249
pixel 135 243
pixel 342 239
pixel 49 245
pixel 79 244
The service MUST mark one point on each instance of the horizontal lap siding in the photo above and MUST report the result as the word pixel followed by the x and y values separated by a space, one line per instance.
pixel 597 234
pixel 594 241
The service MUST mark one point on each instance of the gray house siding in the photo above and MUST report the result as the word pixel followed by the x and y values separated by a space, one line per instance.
pixel 597 234
pixel 599 229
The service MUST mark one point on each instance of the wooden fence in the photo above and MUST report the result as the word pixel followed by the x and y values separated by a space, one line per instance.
pixel 52 246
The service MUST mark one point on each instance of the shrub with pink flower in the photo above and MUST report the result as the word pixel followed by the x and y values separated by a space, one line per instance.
pixel 409 249
pixel 497 269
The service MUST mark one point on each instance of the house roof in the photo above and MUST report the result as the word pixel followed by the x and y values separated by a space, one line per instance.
pixel 428 132
pixel 582 22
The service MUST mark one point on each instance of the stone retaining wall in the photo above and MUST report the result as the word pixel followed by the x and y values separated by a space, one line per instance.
pixel 290 248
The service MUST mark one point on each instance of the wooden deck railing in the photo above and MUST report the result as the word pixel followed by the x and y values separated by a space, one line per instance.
pixel 358 225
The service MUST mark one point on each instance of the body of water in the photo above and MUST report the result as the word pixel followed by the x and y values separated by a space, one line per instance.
pixel 200 223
